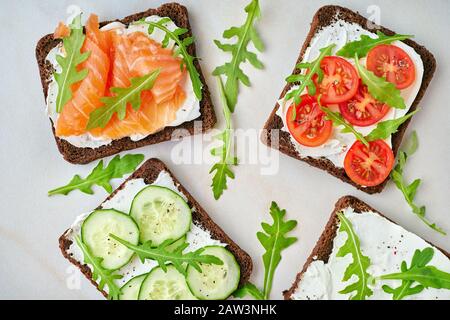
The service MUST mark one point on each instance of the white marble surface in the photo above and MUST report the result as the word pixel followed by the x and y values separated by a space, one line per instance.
pixel 32 266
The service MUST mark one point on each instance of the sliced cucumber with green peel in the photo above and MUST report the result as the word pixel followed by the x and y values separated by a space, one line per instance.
pixel 161 214
pixel 171 247
pixel 130 290
pixel 95 232
pixel 169 285
pixel 215 282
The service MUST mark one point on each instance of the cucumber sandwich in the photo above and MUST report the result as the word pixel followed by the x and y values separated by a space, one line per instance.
pixel 150 240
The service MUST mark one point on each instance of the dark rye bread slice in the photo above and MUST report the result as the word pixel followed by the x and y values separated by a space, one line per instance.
pixel 324 245
pixel 73 154
pixel 149 171
pixel 324 17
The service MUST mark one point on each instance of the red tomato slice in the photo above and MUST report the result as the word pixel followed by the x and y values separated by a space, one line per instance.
pixel 309 127
pixel 340 80
pixel 392 63
pixel 363 110
pixel 369 166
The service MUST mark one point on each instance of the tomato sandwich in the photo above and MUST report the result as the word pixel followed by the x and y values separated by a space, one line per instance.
pixel 349 100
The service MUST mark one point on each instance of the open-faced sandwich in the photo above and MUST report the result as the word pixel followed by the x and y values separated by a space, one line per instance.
pixel 150 240
pixel 363 255
pixel 120 85
pixel 346 106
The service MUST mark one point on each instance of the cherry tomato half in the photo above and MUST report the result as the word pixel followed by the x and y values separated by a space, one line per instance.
pixel 392 63
pixel 363 110
pixel 309 128
pixel 340 80
pixel 369 165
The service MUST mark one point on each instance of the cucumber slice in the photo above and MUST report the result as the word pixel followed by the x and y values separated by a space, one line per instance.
pixel 171 247
pixel 95 232
pixel 130 290
pixel 160 285
pixel 215 282
pixel 161 214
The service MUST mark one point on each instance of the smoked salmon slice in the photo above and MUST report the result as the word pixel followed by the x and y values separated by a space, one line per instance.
pixel 117 57
pixel 75 114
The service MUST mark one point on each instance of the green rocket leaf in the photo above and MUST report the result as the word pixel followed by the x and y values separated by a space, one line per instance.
pixel 305 79
pixel 409 190
pixel 380 88
pixel 176 257
pixel 274 240
pixel 385 129
pixel 359 265
pixel 418 273
pixel 232 70
pixel 224 151
pixel 69 74
pixel 100 117
pixel 181 49
pixel 101 176
pixel 361 47
pixel 101 275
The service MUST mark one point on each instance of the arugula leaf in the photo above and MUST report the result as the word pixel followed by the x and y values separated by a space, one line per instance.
pixel 100 176
pixel 221 168
pixel 106 276
pixel 174 256
pixel 409 190
pixel 337 119
pixel 359 265
pixel 361 47
pixel 384 129
pixel 182 45
pixel 379 88
pixel 69 74
pixel 245 34
pixel 100 117
pixel 249 289
pixel 411 144
pixel 420 259
pixel 426 276
pixel 274 240
pixel 305 80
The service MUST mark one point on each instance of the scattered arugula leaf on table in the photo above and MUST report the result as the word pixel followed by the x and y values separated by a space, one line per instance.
pixel 181 49
pixel 381 89
pixel 100 274
pixel 231 70
pixel 224 151
pixel 69 74
pixel 249 289
pixel 100 117
pixel 359 265
pixel 176 257
pixel 274 239
pixel 361 47
pixel 101 176
pixel 409 190
pixel 418 273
